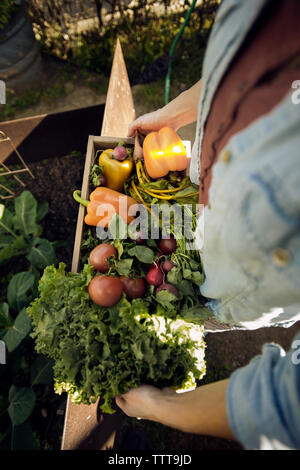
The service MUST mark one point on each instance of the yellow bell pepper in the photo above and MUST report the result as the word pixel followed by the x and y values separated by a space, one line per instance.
pixel 116 172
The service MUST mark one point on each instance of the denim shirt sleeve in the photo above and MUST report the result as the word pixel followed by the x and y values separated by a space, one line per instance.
pixel 251 250
pixel 263 400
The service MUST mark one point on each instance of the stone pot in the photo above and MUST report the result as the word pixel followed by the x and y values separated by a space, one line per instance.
pixel 19 52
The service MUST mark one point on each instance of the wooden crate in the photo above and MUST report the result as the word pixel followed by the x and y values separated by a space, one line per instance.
pixel 95 143
pixel 85 426
pixel 83 429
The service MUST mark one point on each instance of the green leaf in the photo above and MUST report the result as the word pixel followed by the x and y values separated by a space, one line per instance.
pixel 151 243
pixel 159 184
pixel 174 276
pixel 195 276
pixel 42 253
pixel 42 210
pixel 6 220
pixel 185 287
pixel 22 401
pixel 95 174
pixel 143 253
pixel 23 438
pixel 6 254
pixel 166 296
pixel 119 247
pixel 42 370
pixel 6 239
pixel 18 331
pixel 196 314
pixel 17 247
pixel 18 289
pixel 123 266
pixel 25 213
pixel 5 318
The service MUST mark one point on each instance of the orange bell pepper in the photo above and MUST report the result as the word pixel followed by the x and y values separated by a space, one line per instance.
pixel 164 152
pixel 103 204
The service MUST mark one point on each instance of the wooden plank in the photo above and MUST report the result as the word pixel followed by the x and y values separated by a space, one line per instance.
pixel 119 107
pixel 81 210
pixel 50 135
pixel 85 426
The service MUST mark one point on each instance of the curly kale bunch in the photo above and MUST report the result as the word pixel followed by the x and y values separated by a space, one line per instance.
pixel 103 352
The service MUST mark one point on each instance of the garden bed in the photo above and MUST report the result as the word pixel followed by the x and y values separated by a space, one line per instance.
pixel 53 182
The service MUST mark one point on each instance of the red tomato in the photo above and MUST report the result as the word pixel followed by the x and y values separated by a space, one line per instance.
pixel 105 291
pixel 133 288
pixel 100 255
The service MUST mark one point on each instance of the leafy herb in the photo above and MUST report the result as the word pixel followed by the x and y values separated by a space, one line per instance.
pixel 143 253
pixel 106 351
pixel 22 400
pixel 20 239
pixel 95 174
pixel 20 232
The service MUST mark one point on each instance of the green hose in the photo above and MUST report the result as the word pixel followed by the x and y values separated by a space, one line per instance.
pixel 174 43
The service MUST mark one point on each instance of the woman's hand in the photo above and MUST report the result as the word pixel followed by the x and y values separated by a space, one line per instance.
pixel 143 402
pixel 200 411
pixel 178 113
pixel 148 122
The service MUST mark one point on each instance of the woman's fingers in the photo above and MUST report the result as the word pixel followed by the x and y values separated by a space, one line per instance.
pixel 146 123
pixel 139 401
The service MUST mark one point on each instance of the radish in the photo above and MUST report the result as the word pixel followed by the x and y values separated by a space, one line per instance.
pixel 167 245
pixel 168 287
pixel 167 266
pixel 155 276
pixel 120 153
pixel 102 180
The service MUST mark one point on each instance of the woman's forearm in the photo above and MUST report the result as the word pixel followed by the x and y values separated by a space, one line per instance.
pixel 178 113
pixel 183 109
pixel 201 411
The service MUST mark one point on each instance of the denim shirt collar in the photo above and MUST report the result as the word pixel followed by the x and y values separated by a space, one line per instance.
pixel 233 21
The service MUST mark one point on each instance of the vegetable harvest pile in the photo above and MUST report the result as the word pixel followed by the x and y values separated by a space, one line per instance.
pixel 133 314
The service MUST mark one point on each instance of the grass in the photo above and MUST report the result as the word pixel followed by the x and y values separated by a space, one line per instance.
pixel 29 97
pixel 151 94
pixel 86 60
pixel 65 79
pixel 95 81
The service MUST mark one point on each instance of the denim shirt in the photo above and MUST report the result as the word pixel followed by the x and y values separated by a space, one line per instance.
pixel 251 239
pixel 263 400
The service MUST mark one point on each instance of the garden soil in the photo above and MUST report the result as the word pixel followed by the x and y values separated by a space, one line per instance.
pixel 55 180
